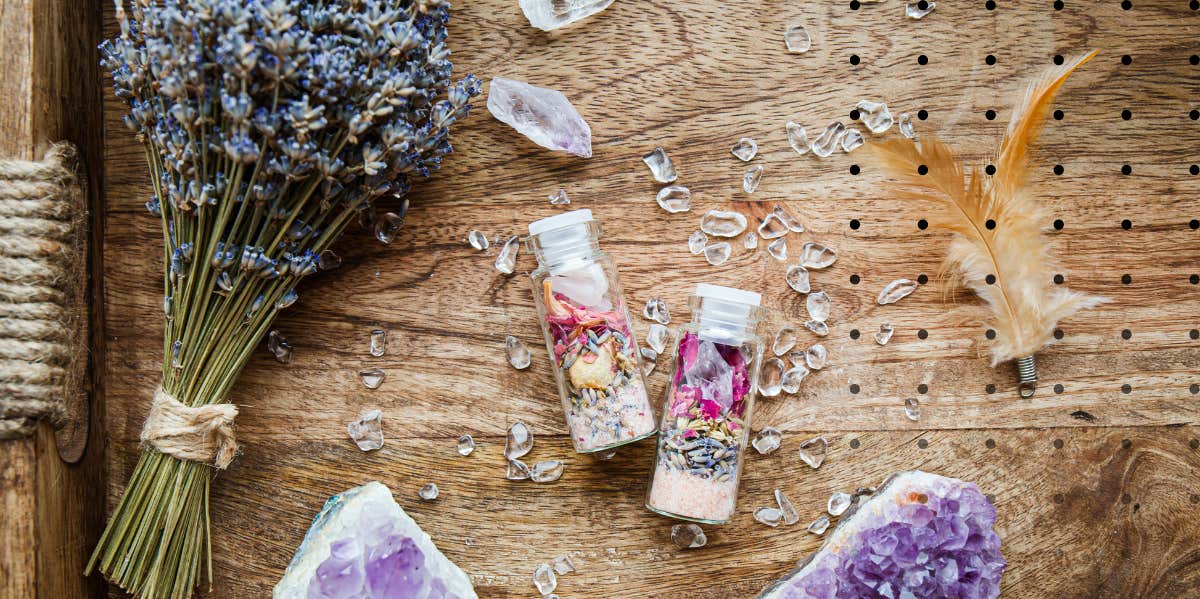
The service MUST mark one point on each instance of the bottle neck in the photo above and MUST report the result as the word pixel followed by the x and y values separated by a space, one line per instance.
pixel 725 321
pixel 564 247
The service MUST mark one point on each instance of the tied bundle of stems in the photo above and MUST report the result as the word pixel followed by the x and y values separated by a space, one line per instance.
pixel 268 126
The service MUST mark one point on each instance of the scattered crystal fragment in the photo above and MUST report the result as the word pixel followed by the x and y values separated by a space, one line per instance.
pixel 914 11
pixel 896 291
pixel 544 579
pixel 813 451
pixel 717 253
pixel 649 360
pixel 797 137
pixel 518 355
pixel 818 305
pixel 912 409
pixel 790 516
pixel 563 565
pixel 751 179
pixel 478 240
pixel 697 241
pixel 372 378
pixel 885 334
pixel 661 167
pixel 546 472
pixel 328 260
pixel 817 256
pixel 378 345
pixel 816 356
pixel 674 199
pixel 769 516
pixel 772 227
pixel 838 503
pixel 688 536
pixel 723 223
pixel 767 440
pixel 827 141
pixel 367 431
pixel 797 39
pixel 875 115
pixel 905 124
pixel 543 115
pixel 778 249
pixel 506 260
pixel 785 340
pixel 656 310
pixel 792 379
pixel 819 328
pixel 387 226
pixel 657 337
pixel 466 445
pixel 770 379
pixel 797 278
pixel 791 222
pixel 745 149
pixel 852 139
pixel 518 441
pixel 428 492
pixel 820 525
pixel 750 240
pixel 279 347
pixel 549 15
pixel 560 198
pixel 517 470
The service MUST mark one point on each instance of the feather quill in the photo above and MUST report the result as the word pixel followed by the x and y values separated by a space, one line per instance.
pixel 1025 307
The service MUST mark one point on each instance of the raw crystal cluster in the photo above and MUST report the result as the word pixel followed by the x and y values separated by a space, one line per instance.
pixel 549 15
pixel 543 115
pixel 363 545
pixel 920 535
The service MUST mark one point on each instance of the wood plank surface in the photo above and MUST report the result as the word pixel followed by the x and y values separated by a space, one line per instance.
pixel 1096 517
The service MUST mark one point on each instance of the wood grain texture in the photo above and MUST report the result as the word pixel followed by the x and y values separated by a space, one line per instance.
pixel 693 77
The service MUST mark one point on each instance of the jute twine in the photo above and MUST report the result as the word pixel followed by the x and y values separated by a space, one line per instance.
pixel 198 434
pixel 41 217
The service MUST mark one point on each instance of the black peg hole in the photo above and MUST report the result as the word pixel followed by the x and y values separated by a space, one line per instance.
pixel 922 443
pixel 1127 224
pixel 1058 389
pixel 854 334
pixel 990 4
pixel 922 334
pixel 854 169
pixel 854 224
pixel 1194 279
pixel 1058 279
pixel 1195 115
pixel 1195 5
pixel 1126 334
pixel 854 4
pixel 854 388
pixel 1126 169
pixel 1058 224
pixel 1126 443
pixel 990 443
pixel 922 60
pixel 990 114
pixel 1194 224
pixel 991 59
pixel 1195 169
pixel 922 388
pixel 1059 498
pixel 854 279
pixel 854 114
pixel 1058 333
pixel 1058 4
pixel 1126 5
pixel 1195 59
pixel 1126 389
pixel 854 59
pixel 1126 114
pixel 990 333
pixel 854 443
pixel 1126 279
pixel 1194 443
pixel 922 224
pixel 922 169
pixel 1058 169
pixel 1058 443
pixel 1126 59
pixel 990 169
pixel 922 114
pixel 990 388
pixel 922 278
pixel 1125 498
pixel 1194 388
pixel 923 5
pixel 990 279
pixel 990 224
pixel 1058 115
pixel 1058 59
pixel 1194 334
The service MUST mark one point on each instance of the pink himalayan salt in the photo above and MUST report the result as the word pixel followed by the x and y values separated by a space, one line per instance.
pixel 683 494
pixel 632 408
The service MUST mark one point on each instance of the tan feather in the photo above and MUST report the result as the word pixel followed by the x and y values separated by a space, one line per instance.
pixel 1025 306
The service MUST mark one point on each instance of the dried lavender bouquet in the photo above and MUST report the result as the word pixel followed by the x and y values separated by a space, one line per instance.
pixel 268 126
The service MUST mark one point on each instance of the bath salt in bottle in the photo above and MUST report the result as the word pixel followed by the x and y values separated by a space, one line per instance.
pixel 591 345
pixel 706 418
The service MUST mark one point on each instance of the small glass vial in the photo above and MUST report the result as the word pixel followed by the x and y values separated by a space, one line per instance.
pixel 588 337
pixel 706 417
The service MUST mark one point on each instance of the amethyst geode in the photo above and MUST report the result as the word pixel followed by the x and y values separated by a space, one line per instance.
pixel 920 535
pixel 363 546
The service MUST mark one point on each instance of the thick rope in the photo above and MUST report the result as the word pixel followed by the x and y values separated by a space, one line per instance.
pixel 200 434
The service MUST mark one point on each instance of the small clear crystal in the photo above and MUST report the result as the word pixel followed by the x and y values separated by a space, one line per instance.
pixel 518 355
pixel 820 525
pixel 812 451
pixel 778 249
pixel 772 227
pixel 816 356
pixel 372 378
pixel 428 492
pixel 560 198
pixel 839 502
pixel 750 240
pixel 718 253
pixel 506 260
pixel 697 241
pixel 797 278
pixel 914 11
pixel 378 345
pixel 791 222
pixel 852 140
pixel 387 226
pixel 875 115
pixel 769 516
pixel 674 198
pixel 466 445
pixel 885 334
pixel 279 347
pixel 818 305
pixel 518 442
pixel 656 310
pixel 657 337
pixel 688 536
pixel 517 470
pixel 544 579
pixel 649 360
pixel 785 340
pixel 545 116
pixel 797 137
pixel 745 149
pixel 767 440
pixel 912 409
pixel 790 516
pixel 817 256
pixel 751 179
pixel 367 431
pixel 547 471
pixel 328 260
pixel 478 240
pixel 819 328
pixel 797 39
pixel 723 223
pixel 549 15
pixel 661 167
pixel 905 124
pixel 563 565
pixel 827 141
pixel 896 291
pixel 792 379
pixel 770 379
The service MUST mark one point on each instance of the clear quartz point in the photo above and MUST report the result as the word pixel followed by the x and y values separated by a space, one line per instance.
pixel 279 347
pixel 745 149
pixel 778 249
pixel 506 259
pixel 723 223
pixel 367 431
pixel 875 115
pixel 657 337
pixel 818 306
pixel 852 140
pixel 649 360
pixel 796 38
pixel 697 241
pixel 767 440
pixel 769 516
pixel 827 141
pixel 517 470
pixel 820 525
pixel 518 441
pixel 544 579
pixel 790 515
pixel 478 240
pixel 560 198
pixel 812 452
pixel 912 409
pixel 688 536
pixel 750 240
pixel 838 503
pixel 818 328
pixel 718 253
pixel 518 355
pixel 547 471
pixel 914 11
pixel 797 279
pixel 770 378
pixel 428 492
pixel 885 334
pixel 674 199
pixel 466 445
pixel 816 356
pixel 896 291
pixel 387 226
pixel 549 15
pixel 905 124
pixel 792 379
pixel 563 565
pixel 543 115
pixel 797 137
pixel 328 260
pixel 656 310
pixel 661 167
pixel 752 178
pixel 816 256
pixel 378 345
pixel 372 378
pixel 785 339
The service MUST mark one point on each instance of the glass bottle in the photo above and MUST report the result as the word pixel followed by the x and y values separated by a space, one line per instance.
pixel 706 416
pixel 586 324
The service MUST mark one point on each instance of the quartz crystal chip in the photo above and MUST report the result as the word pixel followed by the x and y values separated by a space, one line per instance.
pixel 912 409
pixel 518 442
pixel 785 340
pixel 649 360
pixel 818 305
pixel 852 139
pixel 372 378
pixel 656 310
pixel 770 378
pixel 769 516
pixel 563 565
pixel 279 347
pixel 506 260
pixel 378 345
pixel 905 124
pixel 875 115
pixel 674 199
pixel 549 15
pixel 387 226
pixel 792 379
pixel 767 440
pixel 896 291
pixel 772 227
pixel 750 240
pixel 820 525
pixel 428 492
pixel 466 445
pixel 657 337
pixel 815 357
pixel 328 260
pixel 817 256
pixel 697 241
pixel 790 516
pixel 827 141
pixel 812 452
pixel 751 179
pixel 797 39
pixel 885 334
pixel 544 579
pixel 791 222
pixel 518 355
pixel 517 470
pixel 778 249
pixel 745 149
pixel 547 471
pixel 560 198
pixel 797 279
pixel 723 223
pixel 819 328
pixel 797 137
pixel 367 431
pixel 838 503
pixel 478 240
pixel 661 167
pixel 914 11
pixel 717 253
pixel 543 115
pixel 688 536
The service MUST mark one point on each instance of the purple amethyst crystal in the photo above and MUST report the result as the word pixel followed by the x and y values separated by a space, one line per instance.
pixel 920 535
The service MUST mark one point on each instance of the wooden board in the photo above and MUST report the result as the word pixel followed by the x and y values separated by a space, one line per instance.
pixel 1112 512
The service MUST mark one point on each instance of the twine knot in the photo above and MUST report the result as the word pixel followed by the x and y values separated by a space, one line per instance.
pixel 197 434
